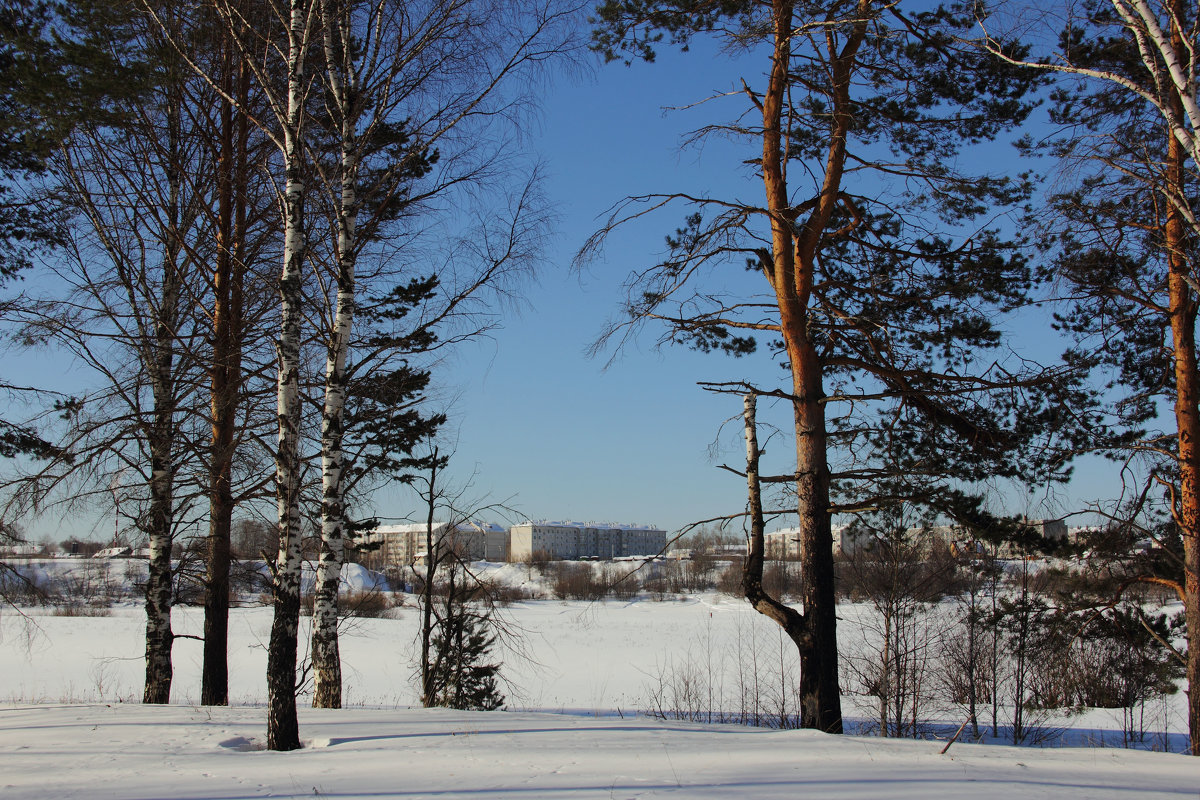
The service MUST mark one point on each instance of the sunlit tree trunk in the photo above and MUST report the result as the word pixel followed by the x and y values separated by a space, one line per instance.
pixel 343 90
pixel 225 382
pixel 790 272
pixel 1182 312
pixel 283 731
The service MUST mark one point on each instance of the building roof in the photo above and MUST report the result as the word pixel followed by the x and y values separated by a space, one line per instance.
pixel 619 526
pixel 419 527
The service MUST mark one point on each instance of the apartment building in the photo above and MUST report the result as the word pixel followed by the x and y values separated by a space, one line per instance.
pixel 405 544
pixel 576 540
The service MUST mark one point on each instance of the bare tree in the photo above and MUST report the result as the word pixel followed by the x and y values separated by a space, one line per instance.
pixel 286 35
pixel 134 181
pixel 901 576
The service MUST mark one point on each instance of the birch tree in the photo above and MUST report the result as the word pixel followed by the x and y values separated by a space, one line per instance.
pixel 283 731
pixel 880 280
pixel 286 36
pixel 137 323
pixel 120 306
pixel 412 90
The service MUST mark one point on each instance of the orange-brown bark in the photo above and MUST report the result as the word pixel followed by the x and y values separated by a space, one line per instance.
pixel 1182 309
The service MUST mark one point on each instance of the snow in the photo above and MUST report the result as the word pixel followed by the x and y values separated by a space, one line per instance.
pixel 138 752
pixel 602 526
pixel 71 724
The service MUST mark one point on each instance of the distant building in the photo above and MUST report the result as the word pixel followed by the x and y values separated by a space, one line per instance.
pixel 117 551
pixel 22 550
pixel 402 545
pixel 575 540
pixel 784 544
pixel 1054 530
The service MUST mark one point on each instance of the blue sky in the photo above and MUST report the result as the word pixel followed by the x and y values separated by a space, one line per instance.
pixel 555 434
pixel 559 435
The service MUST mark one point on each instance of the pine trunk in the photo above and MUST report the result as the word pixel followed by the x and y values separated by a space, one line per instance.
pixel 283 730
pixel 1182 311
pixel 225 386
pixel 820 694
pixel 1182 308
pixel 791 274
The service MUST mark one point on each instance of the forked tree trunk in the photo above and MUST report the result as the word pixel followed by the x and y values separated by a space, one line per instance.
pixel 815 708
pixel 791 273
pixel 283 730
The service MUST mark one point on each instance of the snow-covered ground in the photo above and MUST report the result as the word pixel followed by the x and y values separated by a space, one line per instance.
pixel 564 656
pixel 134 752
pixel 72 725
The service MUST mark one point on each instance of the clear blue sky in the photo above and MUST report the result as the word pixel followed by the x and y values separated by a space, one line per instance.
pixel 540 422
pixel 554 433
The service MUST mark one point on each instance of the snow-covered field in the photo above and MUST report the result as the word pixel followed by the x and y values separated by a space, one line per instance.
pixel 567 656
pixel 137 752
pixel 72 724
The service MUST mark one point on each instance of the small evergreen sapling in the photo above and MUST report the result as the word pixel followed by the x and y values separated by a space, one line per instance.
pixel 462 675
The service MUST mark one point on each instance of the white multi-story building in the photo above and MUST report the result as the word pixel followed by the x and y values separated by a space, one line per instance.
pixel 784 544
pixel 402 545
pixel 575 540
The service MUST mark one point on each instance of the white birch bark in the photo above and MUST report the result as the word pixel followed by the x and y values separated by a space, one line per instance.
pixel 159 636
pixel 282 726
pixel 340 70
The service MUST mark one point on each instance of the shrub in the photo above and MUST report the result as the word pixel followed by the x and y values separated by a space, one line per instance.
pixel 361 605
pixel 80 609
pixel 729 581
pixel 504 594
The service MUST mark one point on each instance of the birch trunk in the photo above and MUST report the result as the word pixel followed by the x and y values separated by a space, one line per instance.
pixel 792 621
pixel 326 660
pixel 283 731
pixel 159 636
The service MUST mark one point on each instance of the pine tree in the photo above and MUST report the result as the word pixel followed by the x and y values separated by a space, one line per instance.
pixel 876 276
pixel 1125 234
pixel 58 68
pixel 461 675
